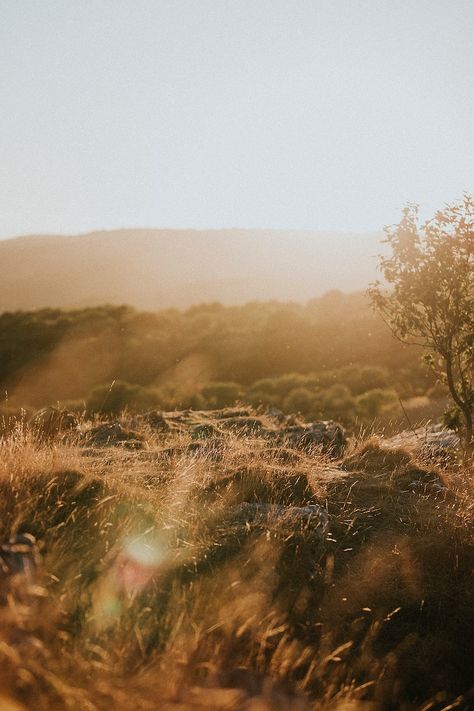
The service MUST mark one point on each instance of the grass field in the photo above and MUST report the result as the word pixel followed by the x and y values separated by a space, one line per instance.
pixel 235 574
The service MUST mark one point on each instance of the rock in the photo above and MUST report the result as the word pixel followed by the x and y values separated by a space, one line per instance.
pixel 263 514
pixel 282 487
pixel 19 556
pixel 275 414
pixel 228 412
pixel 204 430
pixel 19 564
pixel 299 533
pixel 157 421
pixel 431 441
pixel 111 435
pixel 326 434
pixel 244 425
pixel 51 421
pixel 297 528
pixel 372 457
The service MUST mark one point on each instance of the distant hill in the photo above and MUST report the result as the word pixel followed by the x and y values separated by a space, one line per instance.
pixel 154 269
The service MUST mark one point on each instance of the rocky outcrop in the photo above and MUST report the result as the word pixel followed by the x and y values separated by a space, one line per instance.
pixel 263 514
pixel 156 420
pixel 19 563
pixel 19 556
pixel 274 426
pixel 324 434
pixel 431 441
pixel 111 435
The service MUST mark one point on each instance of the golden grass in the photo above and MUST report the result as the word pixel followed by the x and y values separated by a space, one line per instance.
pixel 150 597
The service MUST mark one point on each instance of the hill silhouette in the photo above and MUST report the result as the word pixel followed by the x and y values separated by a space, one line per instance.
pixel 163 268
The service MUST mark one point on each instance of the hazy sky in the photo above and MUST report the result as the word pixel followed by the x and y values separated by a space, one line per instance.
pixel 318 114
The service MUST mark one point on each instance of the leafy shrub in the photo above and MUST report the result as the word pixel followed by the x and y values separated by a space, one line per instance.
pixel 301 400
pixel 338 403
pixel 374 402
pixel 120 395
pixel 221 394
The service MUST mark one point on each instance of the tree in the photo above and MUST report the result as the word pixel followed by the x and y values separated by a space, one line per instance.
pixel 431 300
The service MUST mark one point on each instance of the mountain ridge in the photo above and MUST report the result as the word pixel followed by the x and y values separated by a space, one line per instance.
pixel 148 269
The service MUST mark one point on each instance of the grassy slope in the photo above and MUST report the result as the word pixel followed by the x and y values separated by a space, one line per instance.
pixel 148 597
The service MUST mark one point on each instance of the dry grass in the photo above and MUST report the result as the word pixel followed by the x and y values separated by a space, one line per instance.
pixel 150 596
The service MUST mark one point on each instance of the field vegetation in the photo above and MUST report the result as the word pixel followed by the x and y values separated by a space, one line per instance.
pixel 187 535
pixel 189 573
pixel 331 358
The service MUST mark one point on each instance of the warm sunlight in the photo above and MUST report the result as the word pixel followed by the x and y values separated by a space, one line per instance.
pixel 236 355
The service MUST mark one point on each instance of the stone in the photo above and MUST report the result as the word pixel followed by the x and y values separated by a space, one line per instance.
pixel 326 434
pixel 204 430
pixel 228 412
pixel 275 414
pixel 244 425
pixel 111 435
pixel 431 440
pixel 264 514
pixel 19 556
pixel 157 421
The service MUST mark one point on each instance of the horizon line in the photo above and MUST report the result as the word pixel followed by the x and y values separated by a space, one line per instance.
pixel 26 235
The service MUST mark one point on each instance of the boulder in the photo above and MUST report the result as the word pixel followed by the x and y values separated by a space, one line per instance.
pixel 19 565
pixel 275 414
pixel 431 440
pixel 299 517
pixel 280 487
pixel 157 421
pixel 228 412
pixel 112 435
pixel 244 425
pixel 19 556
pixel 326 434
pixel 204 431
pixel 299 532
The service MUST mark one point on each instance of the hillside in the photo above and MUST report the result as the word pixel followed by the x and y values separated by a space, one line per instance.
pixel 332 357
pixel 176 268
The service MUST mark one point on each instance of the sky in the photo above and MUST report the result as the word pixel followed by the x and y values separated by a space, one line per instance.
pixel 288 114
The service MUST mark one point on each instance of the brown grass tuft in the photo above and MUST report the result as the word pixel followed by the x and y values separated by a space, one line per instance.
pixel 152 594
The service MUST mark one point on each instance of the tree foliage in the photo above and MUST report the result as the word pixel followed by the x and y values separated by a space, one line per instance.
pixel 431 300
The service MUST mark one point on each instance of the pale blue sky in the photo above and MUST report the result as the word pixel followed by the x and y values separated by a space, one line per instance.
pixel 317 114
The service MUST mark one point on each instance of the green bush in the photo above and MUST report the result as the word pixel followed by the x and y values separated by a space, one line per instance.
pixel 338 404
pixel 375 402
pixel 217 395
pixel 299 400
pixel 288 382
pixel 120 395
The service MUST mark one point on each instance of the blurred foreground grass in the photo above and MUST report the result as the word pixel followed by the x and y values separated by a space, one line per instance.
pixel 155 591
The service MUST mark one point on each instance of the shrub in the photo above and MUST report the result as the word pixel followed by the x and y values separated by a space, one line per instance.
pixel 219 395
pixel 301 400
pixel 338 403
pixel 120 395
pixel 375 402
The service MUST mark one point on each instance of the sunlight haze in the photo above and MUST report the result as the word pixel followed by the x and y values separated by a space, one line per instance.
pixel 321 115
